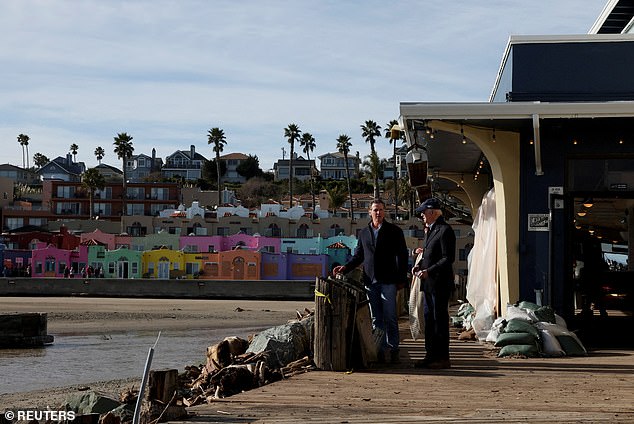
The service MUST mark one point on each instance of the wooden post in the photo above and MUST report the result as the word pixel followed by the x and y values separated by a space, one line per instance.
pixel 162 384
pixel 335 314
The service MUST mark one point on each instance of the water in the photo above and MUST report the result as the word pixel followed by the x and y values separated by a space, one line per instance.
pixel 74 359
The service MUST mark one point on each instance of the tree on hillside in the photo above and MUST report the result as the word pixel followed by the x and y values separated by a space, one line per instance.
pixel 99 153
pixel 343 146
pixel 336 197
pixel 250 167
pixel 257 191
pixel 73 149
pixel 92 180
pixel 308 145
pixel 372 170
pixel 124 149
pixel 292 133
pixel 370 130
pixel 39 160
pixel 209 172
pixel 216 136
pixel 23 139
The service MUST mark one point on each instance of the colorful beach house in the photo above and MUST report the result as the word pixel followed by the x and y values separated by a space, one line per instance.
pixel 163 263
pixel 238 264
pixel 51 261
pixel 118 263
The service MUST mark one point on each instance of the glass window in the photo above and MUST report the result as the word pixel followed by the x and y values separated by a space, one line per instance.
pixel 14 223
pixel 65 192
pixel 135 209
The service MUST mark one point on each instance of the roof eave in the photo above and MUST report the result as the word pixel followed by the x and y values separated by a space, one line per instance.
pixel 515 110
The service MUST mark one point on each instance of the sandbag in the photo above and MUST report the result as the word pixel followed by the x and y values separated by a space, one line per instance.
pixel 571 345
pixel 496 329
pixel 550 344
pixel 545 314
pixel 506 339
pixel 517 325
pixel 513 311
pixel 527 350
pixel 528 305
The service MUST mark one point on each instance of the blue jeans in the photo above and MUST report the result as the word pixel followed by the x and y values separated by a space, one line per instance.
pixel 382 299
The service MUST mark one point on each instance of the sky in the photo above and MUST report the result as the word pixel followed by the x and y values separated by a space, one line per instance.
pixel 165 72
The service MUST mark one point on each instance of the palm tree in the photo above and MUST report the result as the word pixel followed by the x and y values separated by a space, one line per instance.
pixel 370 130
pixel 100 153
pixel 216 136
pixel 343 146
pixel 124 149
pixel 292 133
pixel 308 144
pixel 73 149
pixel 92 180
pixel 23 139
pixel 39 160
pixel 371 167
pixel 336 197
pixel 392 136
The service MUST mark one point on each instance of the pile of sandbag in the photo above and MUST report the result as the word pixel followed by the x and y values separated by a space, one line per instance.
pixel 530 330
pixel 464 316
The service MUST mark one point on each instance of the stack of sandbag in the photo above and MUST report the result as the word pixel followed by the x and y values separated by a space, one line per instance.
pixel 531 330
pixel 464 316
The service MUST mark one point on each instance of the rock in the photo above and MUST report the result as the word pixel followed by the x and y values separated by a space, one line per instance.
pixel 285 343
pixel 90 403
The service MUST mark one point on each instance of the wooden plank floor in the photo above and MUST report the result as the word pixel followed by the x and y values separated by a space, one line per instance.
pixel 478 388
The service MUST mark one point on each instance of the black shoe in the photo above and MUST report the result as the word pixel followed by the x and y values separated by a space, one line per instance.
pixel 395 357
pixel 422 363
pixel 431 364
pixel 439 365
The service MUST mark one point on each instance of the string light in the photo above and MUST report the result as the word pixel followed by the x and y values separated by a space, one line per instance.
pixel 493 136
pixel 464 139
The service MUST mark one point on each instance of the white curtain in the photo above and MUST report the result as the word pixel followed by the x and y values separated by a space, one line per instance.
pixel 482 264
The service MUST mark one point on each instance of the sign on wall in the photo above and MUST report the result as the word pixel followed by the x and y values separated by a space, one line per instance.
pixel 538 222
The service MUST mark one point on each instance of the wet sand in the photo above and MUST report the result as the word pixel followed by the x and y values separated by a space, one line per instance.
pixel 90 316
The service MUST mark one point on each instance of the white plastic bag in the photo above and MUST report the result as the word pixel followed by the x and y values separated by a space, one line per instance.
pixel 416 310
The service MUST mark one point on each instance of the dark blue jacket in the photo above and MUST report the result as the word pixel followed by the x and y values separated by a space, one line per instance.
pixel 438 258
pixel 385 260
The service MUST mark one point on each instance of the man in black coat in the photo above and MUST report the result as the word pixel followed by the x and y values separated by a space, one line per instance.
pixel 435 269
pixel 382 250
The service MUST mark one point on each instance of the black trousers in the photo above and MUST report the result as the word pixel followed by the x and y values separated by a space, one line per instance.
pixel 436 326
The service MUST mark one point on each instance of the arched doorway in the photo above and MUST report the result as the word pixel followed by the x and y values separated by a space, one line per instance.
pixel 237 266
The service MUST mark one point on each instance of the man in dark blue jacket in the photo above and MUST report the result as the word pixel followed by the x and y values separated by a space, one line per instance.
pixel 382 250
pixel 435 269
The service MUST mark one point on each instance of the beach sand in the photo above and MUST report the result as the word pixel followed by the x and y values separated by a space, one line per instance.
pixel 88 316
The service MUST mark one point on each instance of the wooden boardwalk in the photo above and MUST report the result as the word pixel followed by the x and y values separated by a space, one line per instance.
pixel 479 388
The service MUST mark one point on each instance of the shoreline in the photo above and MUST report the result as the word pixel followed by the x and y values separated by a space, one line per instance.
pixel 99 316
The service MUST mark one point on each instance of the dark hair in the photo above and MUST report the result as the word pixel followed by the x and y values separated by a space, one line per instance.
pixel 377 201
